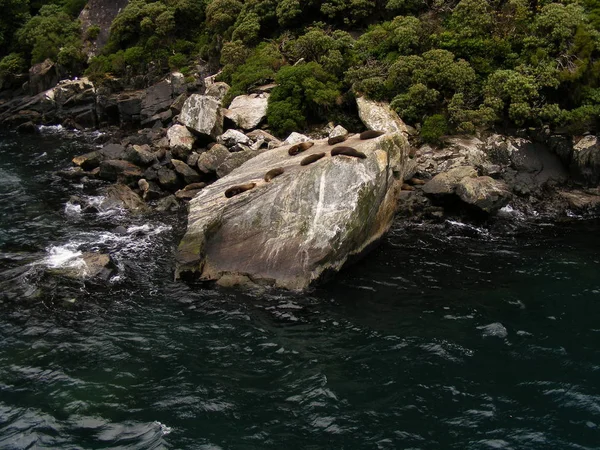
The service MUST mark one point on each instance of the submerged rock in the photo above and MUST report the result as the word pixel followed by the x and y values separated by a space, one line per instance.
pixel 310 220
pixel 86 266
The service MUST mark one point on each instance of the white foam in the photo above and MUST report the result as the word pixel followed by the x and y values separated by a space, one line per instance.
pixel 52 129
pixel 66 256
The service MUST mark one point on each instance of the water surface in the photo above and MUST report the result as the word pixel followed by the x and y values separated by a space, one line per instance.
pixel 444 337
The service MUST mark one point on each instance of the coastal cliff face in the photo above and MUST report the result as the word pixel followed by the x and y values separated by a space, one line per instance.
pixel 291 230
pixel 99 13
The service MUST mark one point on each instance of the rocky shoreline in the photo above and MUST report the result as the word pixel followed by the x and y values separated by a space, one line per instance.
pixel 174 141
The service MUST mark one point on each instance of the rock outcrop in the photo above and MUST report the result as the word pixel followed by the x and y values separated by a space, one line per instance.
pixel 379 116
pixel 248 111
pixel 585 161
pixel 292 230
pixel 203 114
pixel 100 14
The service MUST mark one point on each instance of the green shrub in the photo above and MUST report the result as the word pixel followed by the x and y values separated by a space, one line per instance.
pixel 13 64
pixel 92 33
pixel 434 127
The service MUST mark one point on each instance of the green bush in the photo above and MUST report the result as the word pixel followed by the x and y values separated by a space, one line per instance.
pixel 303 92
pixel 434 127
pixel 13 64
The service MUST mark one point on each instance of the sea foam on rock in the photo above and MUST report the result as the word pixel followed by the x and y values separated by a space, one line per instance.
pixel 308 221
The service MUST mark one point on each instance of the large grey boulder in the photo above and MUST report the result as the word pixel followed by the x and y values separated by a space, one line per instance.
pixel 585 162
pixel 248 111
pixel 445 183
pixel 203 114
pixel 484 193
pixel 306 222
pixel 158 98
pixel 379 116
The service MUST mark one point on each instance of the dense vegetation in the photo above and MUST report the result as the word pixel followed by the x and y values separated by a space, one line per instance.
pixel 452 66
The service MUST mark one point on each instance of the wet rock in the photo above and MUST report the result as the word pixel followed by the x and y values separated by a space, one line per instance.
pixel 168 204
pixel 87 266
pixel 210 160
pixel 202 113
pixel 379 116
pixel 325 212
pixel 142 155
pixel 248 111
pixel 581 201
pixel 119 170
pixel 124 197
pixel 168 179
pixel 28 128
pixel 188 174
pixel 233 137
pixel 445 183
pixel 181 141
pixel 93 159
pixel 485 193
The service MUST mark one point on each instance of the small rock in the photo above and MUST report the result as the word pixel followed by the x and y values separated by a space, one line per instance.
pixel 187 173
pixel 124 197
pixel 142 155
pixel 116 169
pixel 213 158
pixel 296 138
pixel 168 178
pixel 168 204
pixel 233 137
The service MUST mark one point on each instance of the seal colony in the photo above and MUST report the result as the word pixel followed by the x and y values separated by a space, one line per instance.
pixel 296 149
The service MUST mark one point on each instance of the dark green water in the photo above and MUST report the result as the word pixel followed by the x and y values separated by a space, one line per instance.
pixel 446 337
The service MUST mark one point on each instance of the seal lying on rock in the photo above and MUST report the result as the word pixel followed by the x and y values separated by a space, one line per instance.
pixel 236 190
pixel 273 173
pixel 299 148
pixel 370 134
pixel 337 139
pixel 348 151
pixel 311 159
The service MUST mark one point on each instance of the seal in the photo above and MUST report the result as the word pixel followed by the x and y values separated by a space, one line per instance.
pixel 273 173
pixel 311 159
pixel 370 134
pixel 236 190
pixel 299 148
pixel 337 139
pixel 347 151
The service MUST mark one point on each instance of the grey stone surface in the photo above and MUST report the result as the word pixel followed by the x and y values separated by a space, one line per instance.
pixel 308 221
pixel 203 114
